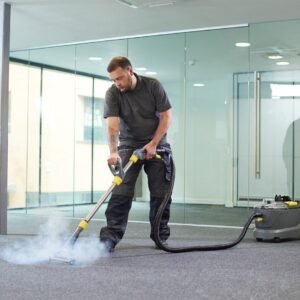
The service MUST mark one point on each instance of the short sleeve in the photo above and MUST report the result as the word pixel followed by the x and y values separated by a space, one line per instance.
pixel 161 98
pixel 111 104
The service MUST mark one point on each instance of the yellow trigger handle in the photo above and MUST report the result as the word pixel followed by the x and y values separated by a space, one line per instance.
pixel 140 155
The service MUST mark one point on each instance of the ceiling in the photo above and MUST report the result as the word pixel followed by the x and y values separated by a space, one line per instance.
pixel 37 23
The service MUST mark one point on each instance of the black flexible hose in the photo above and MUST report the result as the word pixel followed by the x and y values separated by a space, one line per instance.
pixel 166 248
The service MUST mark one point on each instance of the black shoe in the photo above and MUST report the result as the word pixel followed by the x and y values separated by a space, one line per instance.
pixel 109 244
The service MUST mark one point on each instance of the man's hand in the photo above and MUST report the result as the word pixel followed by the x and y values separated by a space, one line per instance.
pixel 113 158
pixel 150 150
pixel 164 123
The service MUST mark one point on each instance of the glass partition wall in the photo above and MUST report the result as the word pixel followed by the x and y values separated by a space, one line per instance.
pixel 234 130
pixel 267 114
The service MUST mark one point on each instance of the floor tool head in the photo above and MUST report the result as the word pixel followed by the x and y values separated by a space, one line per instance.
pixel 63 256
pixel 62 260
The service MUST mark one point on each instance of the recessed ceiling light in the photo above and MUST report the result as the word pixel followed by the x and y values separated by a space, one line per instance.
pixel 199 84
pixel 242 44
pixel 141 69
pixel 282 63
pixel 128 3
pixel 95 58
pixel 275 56
pixel 150 73
pixel 161 4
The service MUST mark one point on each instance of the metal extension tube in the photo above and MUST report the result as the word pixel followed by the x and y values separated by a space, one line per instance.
pixel 119 174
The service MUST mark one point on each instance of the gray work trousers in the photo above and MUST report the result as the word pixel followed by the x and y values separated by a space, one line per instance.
pixel 121 199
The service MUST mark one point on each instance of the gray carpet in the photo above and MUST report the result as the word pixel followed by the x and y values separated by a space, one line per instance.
pixel 136 270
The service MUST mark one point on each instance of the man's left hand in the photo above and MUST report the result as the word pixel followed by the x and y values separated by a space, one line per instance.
pixel 150 150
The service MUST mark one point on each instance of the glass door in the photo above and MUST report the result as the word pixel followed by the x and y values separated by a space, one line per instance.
pixel 269 117
pixel 267 113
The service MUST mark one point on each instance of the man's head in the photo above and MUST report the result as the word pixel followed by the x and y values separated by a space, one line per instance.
pixel 121 73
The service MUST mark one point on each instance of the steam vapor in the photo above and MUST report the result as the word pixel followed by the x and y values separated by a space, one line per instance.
pixel 49 242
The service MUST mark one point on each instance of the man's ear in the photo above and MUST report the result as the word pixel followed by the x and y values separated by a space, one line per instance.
pixel 130 71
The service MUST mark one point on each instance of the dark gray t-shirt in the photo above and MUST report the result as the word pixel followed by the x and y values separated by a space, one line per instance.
pixel 138 110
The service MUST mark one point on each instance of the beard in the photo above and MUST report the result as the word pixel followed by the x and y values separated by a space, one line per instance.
pixel 127 86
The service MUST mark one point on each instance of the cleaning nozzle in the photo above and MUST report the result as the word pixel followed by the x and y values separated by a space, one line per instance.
pixel 63 260
pixel 63 256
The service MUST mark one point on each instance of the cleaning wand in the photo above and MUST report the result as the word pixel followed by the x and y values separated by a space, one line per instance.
pixel 119 174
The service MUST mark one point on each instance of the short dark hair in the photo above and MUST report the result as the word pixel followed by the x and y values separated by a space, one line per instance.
pixel 118 61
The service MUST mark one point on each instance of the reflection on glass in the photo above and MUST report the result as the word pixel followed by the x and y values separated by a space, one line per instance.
pixel 23 136
pixel 57 146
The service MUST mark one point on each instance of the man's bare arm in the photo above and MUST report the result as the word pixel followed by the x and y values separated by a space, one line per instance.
pixel 164 124
pixel 113 128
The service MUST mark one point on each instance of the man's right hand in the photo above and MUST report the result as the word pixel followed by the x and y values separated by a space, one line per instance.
pixel 113 158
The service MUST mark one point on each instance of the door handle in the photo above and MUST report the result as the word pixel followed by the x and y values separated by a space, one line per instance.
pixel 257 96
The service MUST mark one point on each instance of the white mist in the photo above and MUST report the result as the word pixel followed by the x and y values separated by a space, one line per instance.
pixel 50 242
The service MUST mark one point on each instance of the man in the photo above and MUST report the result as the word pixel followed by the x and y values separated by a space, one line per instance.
pixel 138 114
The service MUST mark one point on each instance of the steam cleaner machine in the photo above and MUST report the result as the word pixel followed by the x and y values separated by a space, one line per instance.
pixel 279 219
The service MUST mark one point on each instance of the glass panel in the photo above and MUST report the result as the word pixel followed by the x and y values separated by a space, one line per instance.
pixel 24 95
pixel 293 132
pixel 83 146
pixel 57 125
pixel 92 60
pixel 17 133
pixel 102 175
pixel 274 55
pixel 276 145
pixel 163 57
pixel 212 59
pixel 33 136
pixel 23 141
pixel 73 146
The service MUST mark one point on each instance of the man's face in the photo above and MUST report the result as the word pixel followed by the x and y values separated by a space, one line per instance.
pixel 122 78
